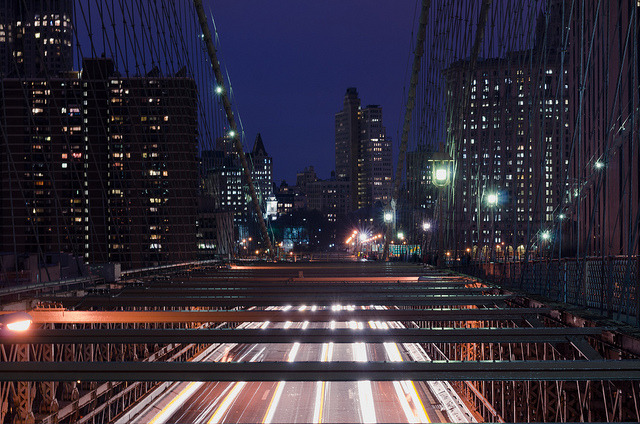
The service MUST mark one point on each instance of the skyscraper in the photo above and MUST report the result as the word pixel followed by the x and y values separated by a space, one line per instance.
pixel 100 166
pixel 35 38
pixel 347 139
pixel 508 142
pixel 375 171
pixel 363 152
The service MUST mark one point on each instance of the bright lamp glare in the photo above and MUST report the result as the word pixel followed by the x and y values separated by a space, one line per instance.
pixel 218 90
pixel 388 217
pixel 19 325
pixel 232 133
pixel 441 174
pixel 426 226
pixel 546 235
pixel 492 199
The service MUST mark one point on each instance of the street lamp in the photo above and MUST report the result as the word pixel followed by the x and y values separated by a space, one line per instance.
pixel 492 201
pixel 15 321
pixel 388 217
pixel 442 170
pixel 426 226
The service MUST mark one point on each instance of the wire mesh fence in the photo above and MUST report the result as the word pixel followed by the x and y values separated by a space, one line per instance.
pixel 609 285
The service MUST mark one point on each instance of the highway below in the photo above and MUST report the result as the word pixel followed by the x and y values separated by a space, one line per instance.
pixel 313 401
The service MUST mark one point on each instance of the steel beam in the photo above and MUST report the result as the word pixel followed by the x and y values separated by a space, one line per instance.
pixel 110 317
pixel 329 371
pixel 298 290
pixel 291 335
pixel 280 300
pixel 339 285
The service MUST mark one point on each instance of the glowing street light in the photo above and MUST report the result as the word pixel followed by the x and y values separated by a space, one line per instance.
pixel 492 199
pixel 401 235
pixel 599 164
pixel 232 133
pixel 426 226
pixel 388 217
pixel 16 321
pixel 546 235
pixel 218 89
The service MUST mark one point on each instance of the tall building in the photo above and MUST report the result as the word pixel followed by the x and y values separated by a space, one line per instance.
pixel 224 178
pixel 261 170
pixel 100 166
pixel 363 152
pixel 331 197
pixel 375 171
pixel 603 79
pixel 36 38
pixel 508 139
pixel 347 138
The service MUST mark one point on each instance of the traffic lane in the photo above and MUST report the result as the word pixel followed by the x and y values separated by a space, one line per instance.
pixel 388 405
pixel 297 398
pixel 199 407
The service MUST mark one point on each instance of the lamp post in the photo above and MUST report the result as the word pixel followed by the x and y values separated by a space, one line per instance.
pixel 441 166
pixel 426 226
pixel 492 201
pixel 388 219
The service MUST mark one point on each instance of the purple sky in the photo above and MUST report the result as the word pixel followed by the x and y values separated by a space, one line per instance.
pixel 291 61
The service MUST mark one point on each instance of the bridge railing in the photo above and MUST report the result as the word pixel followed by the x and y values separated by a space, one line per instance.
pixel 609 286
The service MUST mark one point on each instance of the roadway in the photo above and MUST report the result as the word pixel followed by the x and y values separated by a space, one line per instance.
pixel 306 402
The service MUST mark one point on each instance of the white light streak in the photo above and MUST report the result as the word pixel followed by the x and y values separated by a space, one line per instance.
pixel 313 308
pixel 265 325
pixel 287 324
pixel 274 403
pixel 404 403
pixel 305 325
pixel 294 352
pixel 226 403
pixel 332 325
pixel 365 393
pixel 303 308
pixel 162 416
pixel 286 308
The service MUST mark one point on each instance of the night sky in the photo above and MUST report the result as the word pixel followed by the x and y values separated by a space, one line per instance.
pixel 291 61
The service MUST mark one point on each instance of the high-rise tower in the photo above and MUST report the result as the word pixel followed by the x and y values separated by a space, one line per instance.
pixel 363 152
pixel 36 38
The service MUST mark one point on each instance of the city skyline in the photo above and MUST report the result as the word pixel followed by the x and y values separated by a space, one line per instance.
pixel 281 40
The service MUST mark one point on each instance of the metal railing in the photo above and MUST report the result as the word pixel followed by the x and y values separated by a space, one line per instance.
pixel 609 286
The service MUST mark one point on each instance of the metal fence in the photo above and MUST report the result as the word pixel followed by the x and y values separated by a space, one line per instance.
pixel 609 286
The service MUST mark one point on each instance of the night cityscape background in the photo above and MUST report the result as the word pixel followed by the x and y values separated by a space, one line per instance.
pixel 143 142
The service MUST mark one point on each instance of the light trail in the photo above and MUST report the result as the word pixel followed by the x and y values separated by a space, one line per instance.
pixel 166 412
pixel 418 413
pixel 325 356
pixel 231 397
pixel 226 403
pixel 365 393
pixel 273 405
